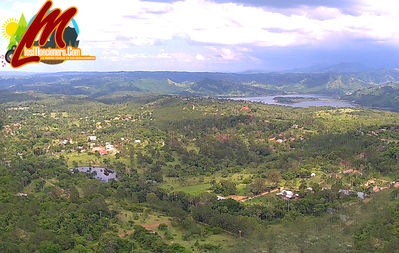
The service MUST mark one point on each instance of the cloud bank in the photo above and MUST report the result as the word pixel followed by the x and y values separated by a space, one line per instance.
pixel 215 35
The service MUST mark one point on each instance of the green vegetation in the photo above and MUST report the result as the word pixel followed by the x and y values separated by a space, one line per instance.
pixel 293 100
pixel 381 96
pixel 16 38
pixel 22 26
pixel 195 175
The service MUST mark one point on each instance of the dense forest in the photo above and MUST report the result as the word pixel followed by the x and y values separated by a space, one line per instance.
pixel 195 175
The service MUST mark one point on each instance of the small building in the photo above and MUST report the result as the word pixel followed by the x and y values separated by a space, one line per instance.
pixel 100 150
pixel 92 138
pixel 313 174
pixel 221 198
pixel 245 109
pixel 361 195
pixel 137 141
pixel 109 146
pixel 288 194
pixel 22 195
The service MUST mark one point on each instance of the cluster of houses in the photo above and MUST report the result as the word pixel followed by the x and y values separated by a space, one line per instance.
pixel 11 129
pixel 108 149
pixel 19 108
pixel 288 195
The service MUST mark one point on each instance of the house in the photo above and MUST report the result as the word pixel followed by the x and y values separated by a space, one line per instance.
pixel 100 150
pixel 109 147
pixel 361 195
pixel 92 138
pixel 245 109
pixel 137 141
pixel 68 141
pixel 221 198
pixel 22 195
pixel 313 174
pixel 103 152
pixel 288 194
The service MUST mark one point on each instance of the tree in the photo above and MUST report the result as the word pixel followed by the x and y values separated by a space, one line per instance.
pixel 22 26
pixel 258 186
pixel 49 247
pixel 274 176
pixel 224 187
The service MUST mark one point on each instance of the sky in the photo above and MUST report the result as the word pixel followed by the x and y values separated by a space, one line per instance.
pixel 223 35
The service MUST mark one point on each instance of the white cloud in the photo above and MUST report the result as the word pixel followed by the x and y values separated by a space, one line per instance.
pixel 225 31
pixel 144 23
pixel 200 57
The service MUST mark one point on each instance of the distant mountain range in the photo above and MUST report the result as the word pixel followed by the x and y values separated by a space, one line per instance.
pixel 345 67
pixel 96 85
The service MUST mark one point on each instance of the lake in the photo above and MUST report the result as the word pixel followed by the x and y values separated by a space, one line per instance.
pixel 305 101
pixel 102 174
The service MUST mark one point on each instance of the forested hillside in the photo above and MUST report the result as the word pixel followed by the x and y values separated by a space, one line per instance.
pixel 381 96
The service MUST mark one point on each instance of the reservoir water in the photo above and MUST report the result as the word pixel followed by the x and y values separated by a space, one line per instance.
pixel 305 101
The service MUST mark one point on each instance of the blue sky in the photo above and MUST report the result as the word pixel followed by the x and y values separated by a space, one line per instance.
pixel 224 35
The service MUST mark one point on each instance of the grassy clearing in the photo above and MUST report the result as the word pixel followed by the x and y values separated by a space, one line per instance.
pixel 84 159
pixel 192 189
pixel 174 233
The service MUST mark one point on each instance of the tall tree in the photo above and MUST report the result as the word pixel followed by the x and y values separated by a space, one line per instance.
pixel 22 26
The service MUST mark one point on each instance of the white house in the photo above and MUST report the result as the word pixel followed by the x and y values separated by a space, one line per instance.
pixel 287 194
pixel 221 198
pixel 92 138
pixel 109 146
pixel 137 141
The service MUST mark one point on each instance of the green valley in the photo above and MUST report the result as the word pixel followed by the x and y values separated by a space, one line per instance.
pixel 195 174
